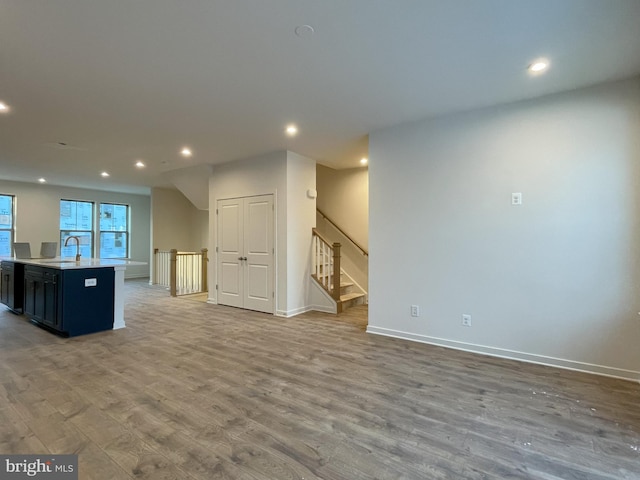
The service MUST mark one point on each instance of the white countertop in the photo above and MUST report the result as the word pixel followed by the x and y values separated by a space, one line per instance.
pixel 67 263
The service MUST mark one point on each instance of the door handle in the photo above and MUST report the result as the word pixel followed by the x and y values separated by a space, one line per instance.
pixel 242 258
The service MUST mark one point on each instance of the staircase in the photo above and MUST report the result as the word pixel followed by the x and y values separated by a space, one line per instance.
pixel 333 279
pixel 348 297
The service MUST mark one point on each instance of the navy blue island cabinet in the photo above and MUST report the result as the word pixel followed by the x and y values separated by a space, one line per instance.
pixel 69 302
pixel 11 285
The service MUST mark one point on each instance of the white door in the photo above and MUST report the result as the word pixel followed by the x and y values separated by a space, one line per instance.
pixel 230 252
pixel 245 253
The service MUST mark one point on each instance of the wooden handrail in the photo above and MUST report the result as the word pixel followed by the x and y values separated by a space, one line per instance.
pixel 356 244
pixel 318 234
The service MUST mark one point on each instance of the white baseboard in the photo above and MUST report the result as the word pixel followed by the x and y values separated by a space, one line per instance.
pixel 511 354
pixel 292 313
pixel 308 308
pixel 323 309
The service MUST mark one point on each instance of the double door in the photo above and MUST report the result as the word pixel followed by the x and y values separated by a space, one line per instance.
pixel 245 253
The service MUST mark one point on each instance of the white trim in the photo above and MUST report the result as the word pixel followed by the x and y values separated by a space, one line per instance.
pixel 296 311
pixel 603 370
pixel 292 313
pixel 324 309
pixel 118 298
pixel 330 307
pixel 137 275
pixel 308 308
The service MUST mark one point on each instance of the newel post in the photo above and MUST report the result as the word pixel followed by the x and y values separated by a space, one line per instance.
pixel 335 291
pixel 172 271
pixel 205 261
pixel 153 277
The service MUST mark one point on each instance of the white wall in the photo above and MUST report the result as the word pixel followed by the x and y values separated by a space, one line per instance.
pixel 301 218
pixel 343 195
pixel 287 176
pixel 38 216
pixel 555 280
pixel 193 182
pixel 262 175
pixel 202 226
pixel 176 222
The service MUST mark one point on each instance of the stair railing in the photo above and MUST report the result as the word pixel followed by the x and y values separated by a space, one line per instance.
pixel 183 273
pixel 362 250
pixel 326 264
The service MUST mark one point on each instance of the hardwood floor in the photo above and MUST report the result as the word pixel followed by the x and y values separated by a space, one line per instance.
pixel 196 391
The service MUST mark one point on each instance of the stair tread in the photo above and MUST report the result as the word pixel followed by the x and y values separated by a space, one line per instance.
pixel 350 296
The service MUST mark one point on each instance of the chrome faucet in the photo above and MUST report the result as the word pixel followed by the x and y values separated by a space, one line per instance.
pixel 66 242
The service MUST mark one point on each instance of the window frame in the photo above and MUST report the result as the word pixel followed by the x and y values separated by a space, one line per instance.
pixel 126 232
pixel 12 228
pixel 66 233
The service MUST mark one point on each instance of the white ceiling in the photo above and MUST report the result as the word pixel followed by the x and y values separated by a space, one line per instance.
pixel 138 79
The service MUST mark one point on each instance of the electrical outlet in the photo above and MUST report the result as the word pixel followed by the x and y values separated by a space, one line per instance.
pixel 415 310
pixel 516 198
pixel 466 319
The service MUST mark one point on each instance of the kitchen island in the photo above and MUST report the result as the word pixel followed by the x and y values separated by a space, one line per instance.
pixel 67 297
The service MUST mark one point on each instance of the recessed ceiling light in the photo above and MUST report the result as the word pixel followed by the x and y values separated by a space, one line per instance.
pixel 4 108
pixel 538 66
pixel 105 174
pixel 291 130
pixel 42 180
pixel 186 152
pixel 364 160
pixel 140 164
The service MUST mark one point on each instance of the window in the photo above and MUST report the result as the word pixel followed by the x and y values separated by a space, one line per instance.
pixel 6 224
pixel 114 230
pixel 76 220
